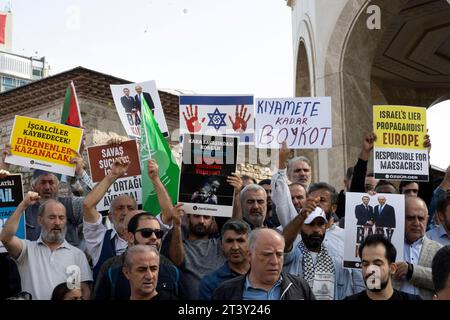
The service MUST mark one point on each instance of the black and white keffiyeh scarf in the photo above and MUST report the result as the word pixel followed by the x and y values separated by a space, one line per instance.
pixel 324 265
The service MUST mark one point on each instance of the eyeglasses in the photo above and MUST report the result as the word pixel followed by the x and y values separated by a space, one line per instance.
pixel 147 232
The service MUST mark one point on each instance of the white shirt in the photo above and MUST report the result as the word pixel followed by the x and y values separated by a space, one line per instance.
pixel 94 233
pixel 334 240
pixel 314 256
pixel 411 254
pixel 281 197
pixel 41 269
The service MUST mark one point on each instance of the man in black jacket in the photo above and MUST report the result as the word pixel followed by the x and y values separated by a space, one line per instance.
pixel 265 281
pixel 378 266
pixel 384 214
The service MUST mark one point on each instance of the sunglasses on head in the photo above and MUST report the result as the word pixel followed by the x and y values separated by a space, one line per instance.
pixel 147 232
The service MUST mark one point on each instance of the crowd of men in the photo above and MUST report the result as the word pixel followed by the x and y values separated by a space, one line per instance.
pixel 285 241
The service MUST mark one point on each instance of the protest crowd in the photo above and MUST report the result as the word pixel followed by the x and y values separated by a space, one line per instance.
pixel 282 239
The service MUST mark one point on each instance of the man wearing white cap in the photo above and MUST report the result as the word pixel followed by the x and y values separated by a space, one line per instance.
pixel 310 259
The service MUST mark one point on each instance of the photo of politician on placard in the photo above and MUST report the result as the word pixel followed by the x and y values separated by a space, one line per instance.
pixel 364 212
pixel 207 162
pixel 367 214
pixel 384 214
pixel 129 99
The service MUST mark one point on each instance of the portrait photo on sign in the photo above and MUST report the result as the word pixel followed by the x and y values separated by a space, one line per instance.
pixel 207 162
pixel 129 99
pixel 367 214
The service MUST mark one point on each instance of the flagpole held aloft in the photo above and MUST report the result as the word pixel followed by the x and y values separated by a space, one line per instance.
pixel 154 146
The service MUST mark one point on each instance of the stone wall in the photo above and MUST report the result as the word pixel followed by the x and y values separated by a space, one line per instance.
pixel 103 123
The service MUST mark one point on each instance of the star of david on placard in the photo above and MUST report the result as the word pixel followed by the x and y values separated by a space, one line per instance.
pixel 217 119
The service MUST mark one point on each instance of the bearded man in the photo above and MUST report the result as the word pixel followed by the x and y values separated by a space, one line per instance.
pixel 378 266
pixel 48 261
pixel 196 252
pixel 310 259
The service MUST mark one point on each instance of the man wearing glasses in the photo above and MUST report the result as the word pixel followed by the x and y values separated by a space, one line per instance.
pixel 143 229
pixel 102 244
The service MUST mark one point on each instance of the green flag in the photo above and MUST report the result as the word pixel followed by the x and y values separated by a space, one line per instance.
pixel 154 146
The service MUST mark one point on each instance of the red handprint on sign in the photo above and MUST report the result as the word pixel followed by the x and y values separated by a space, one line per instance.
pixel 240 124
pixel 192 122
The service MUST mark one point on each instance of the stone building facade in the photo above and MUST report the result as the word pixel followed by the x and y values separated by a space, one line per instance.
pixel 44 99
pixel 366 52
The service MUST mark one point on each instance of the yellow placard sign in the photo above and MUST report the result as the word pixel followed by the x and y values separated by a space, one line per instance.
pixel 399 127
pixel 44 145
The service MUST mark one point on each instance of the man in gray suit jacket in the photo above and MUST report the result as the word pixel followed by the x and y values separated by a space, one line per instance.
pixel 413 275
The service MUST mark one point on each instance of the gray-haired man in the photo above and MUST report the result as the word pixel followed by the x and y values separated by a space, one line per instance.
pixel 43 263
pixel 254 205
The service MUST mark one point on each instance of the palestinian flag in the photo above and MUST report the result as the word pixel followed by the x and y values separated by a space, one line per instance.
pixel 71 110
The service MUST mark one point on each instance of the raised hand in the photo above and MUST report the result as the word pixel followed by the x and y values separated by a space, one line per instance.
pixel 310 205
pixel 367 146
pixel 78 161
pixel 120 167
pixel 283 155
pixel 240 123
pixel 368 141
pixel 235 181
pixel 115 141
pixel 191 119
pixel 177 214
pixel 152 169
pixel 30 198
pixel 4 173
